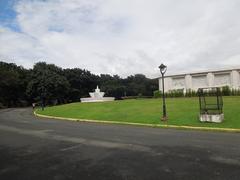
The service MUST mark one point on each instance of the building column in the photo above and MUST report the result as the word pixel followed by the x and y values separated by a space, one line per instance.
pixel 210 79
pixel 159 84
pixel 188 82
pixel 235 79
pixel 167 84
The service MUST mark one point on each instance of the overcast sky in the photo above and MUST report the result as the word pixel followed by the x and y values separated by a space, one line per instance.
pixel 122 37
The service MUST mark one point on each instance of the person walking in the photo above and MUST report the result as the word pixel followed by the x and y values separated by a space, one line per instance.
pixel 33 105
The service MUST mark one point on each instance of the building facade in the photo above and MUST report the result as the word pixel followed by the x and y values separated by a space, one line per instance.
pixel 193 81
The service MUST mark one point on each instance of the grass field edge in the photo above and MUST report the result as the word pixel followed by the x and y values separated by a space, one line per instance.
pixel 140 124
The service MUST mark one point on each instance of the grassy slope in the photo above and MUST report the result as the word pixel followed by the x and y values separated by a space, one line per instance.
pixel 181 111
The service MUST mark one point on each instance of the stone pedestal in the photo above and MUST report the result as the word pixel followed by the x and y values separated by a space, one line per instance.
pixel 217 118
pixel 103 99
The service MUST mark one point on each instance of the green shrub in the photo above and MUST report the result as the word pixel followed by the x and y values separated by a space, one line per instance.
pixel 157 94
pixel 238 92
pixel 226 91
pixel 190 93
pixel 235 92
pixel 175 93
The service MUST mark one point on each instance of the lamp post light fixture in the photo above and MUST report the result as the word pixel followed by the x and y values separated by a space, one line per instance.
pixel 163 70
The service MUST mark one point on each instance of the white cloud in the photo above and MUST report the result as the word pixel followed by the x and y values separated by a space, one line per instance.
pixel 125 37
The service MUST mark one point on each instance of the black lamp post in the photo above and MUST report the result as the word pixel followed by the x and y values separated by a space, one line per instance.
pixel 163 70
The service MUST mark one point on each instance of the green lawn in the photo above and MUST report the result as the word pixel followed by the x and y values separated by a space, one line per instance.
pixel 181 111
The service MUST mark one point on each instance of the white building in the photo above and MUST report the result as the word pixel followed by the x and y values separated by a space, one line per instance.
pixel 193 81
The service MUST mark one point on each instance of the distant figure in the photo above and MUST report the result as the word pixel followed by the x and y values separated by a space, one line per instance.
pixel 42 106
pixel 33 105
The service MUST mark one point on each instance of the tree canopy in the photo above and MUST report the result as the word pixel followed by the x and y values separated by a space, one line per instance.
pixel 21 87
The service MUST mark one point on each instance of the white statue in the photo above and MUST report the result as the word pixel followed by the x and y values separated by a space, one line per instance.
pixel 97 96
pixel 97 93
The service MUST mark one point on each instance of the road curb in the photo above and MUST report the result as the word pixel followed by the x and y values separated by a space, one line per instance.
pixel 141 124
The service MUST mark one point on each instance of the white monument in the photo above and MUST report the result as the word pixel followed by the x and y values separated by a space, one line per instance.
pixel 97 96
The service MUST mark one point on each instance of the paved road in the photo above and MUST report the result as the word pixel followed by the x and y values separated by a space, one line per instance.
pixel 34 148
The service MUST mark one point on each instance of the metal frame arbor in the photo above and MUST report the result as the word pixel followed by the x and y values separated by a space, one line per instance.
pixel 210 100
pixel 211 104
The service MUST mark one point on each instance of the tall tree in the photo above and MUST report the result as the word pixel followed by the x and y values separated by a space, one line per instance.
pixel 13 82
pixel 81 82
pixel 48 83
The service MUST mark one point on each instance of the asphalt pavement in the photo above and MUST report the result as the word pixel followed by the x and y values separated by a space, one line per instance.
pixel 42 149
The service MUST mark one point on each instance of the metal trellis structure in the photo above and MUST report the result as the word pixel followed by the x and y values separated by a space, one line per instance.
pixel 211 104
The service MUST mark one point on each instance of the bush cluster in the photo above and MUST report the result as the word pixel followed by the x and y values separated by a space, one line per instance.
pixel 225 91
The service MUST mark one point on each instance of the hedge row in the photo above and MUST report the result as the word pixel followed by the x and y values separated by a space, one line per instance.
pixel 225 91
